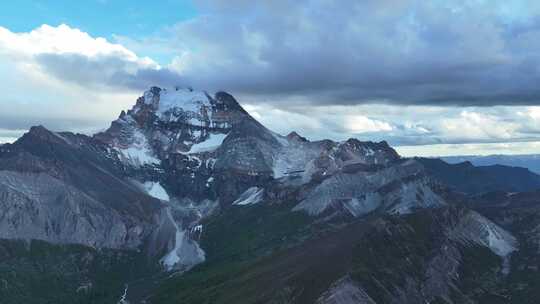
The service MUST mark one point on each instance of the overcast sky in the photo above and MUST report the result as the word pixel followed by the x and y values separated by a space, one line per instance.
pixel 432 77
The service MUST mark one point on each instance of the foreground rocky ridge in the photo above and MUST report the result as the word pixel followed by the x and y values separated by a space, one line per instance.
pixel 181 163
pixel 66 188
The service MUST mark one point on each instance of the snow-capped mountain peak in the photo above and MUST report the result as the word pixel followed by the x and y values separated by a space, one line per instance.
pixel 176 120
pixel 170 104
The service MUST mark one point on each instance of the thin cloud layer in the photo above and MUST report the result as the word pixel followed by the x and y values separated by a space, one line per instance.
pixel 406 125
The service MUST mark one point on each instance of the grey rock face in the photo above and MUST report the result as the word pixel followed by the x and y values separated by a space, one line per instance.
pixel 37 206
pixel 352 176
pixel 66 188
pixel 399 188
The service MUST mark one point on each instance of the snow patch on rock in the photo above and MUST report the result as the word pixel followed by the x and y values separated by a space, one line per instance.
pixel 186 252
pixel 358 207
pixel 478 229
pixel 251 196
pixel 294 160
pixel 197 228
pixel 185 99
pixel 281 139
pixel 156 190
pixel 139 152
pixel 210 144
pixel 413 196
pixel 475 228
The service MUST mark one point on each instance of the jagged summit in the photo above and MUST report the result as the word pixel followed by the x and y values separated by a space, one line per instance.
pixel 42 133
pixel 164 101
pixel 293 136
pixel 165 121
pixel 185 105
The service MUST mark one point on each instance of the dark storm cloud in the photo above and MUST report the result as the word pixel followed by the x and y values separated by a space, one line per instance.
pixel 397 52
pixel 105 70
pixel 142 79
pixel 451 53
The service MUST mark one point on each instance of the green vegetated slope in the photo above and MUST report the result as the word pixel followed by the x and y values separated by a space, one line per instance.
pixel 254 256
pixel 234 242
pixel 38 272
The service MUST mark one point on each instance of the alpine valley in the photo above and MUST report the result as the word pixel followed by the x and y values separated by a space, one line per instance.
pixel 186 198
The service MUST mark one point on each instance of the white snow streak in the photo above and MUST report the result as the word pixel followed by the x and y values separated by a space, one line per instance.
pixel 184 99
pixel 210 144
pixel 251 196
pixel 156 190
pixel 124 295
pixel 139 153
pixel 172 257
pixel 186 252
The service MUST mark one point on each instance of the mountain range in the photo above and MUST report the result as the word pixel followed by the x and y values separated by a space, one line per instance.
pixel 529 161
pixel 467 178
pixel 186 198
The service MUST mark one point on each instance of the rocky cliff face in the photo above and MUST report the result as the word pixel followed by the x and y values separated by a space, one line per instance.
pixel 205 149
pixel 66 188
pixel 189 140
